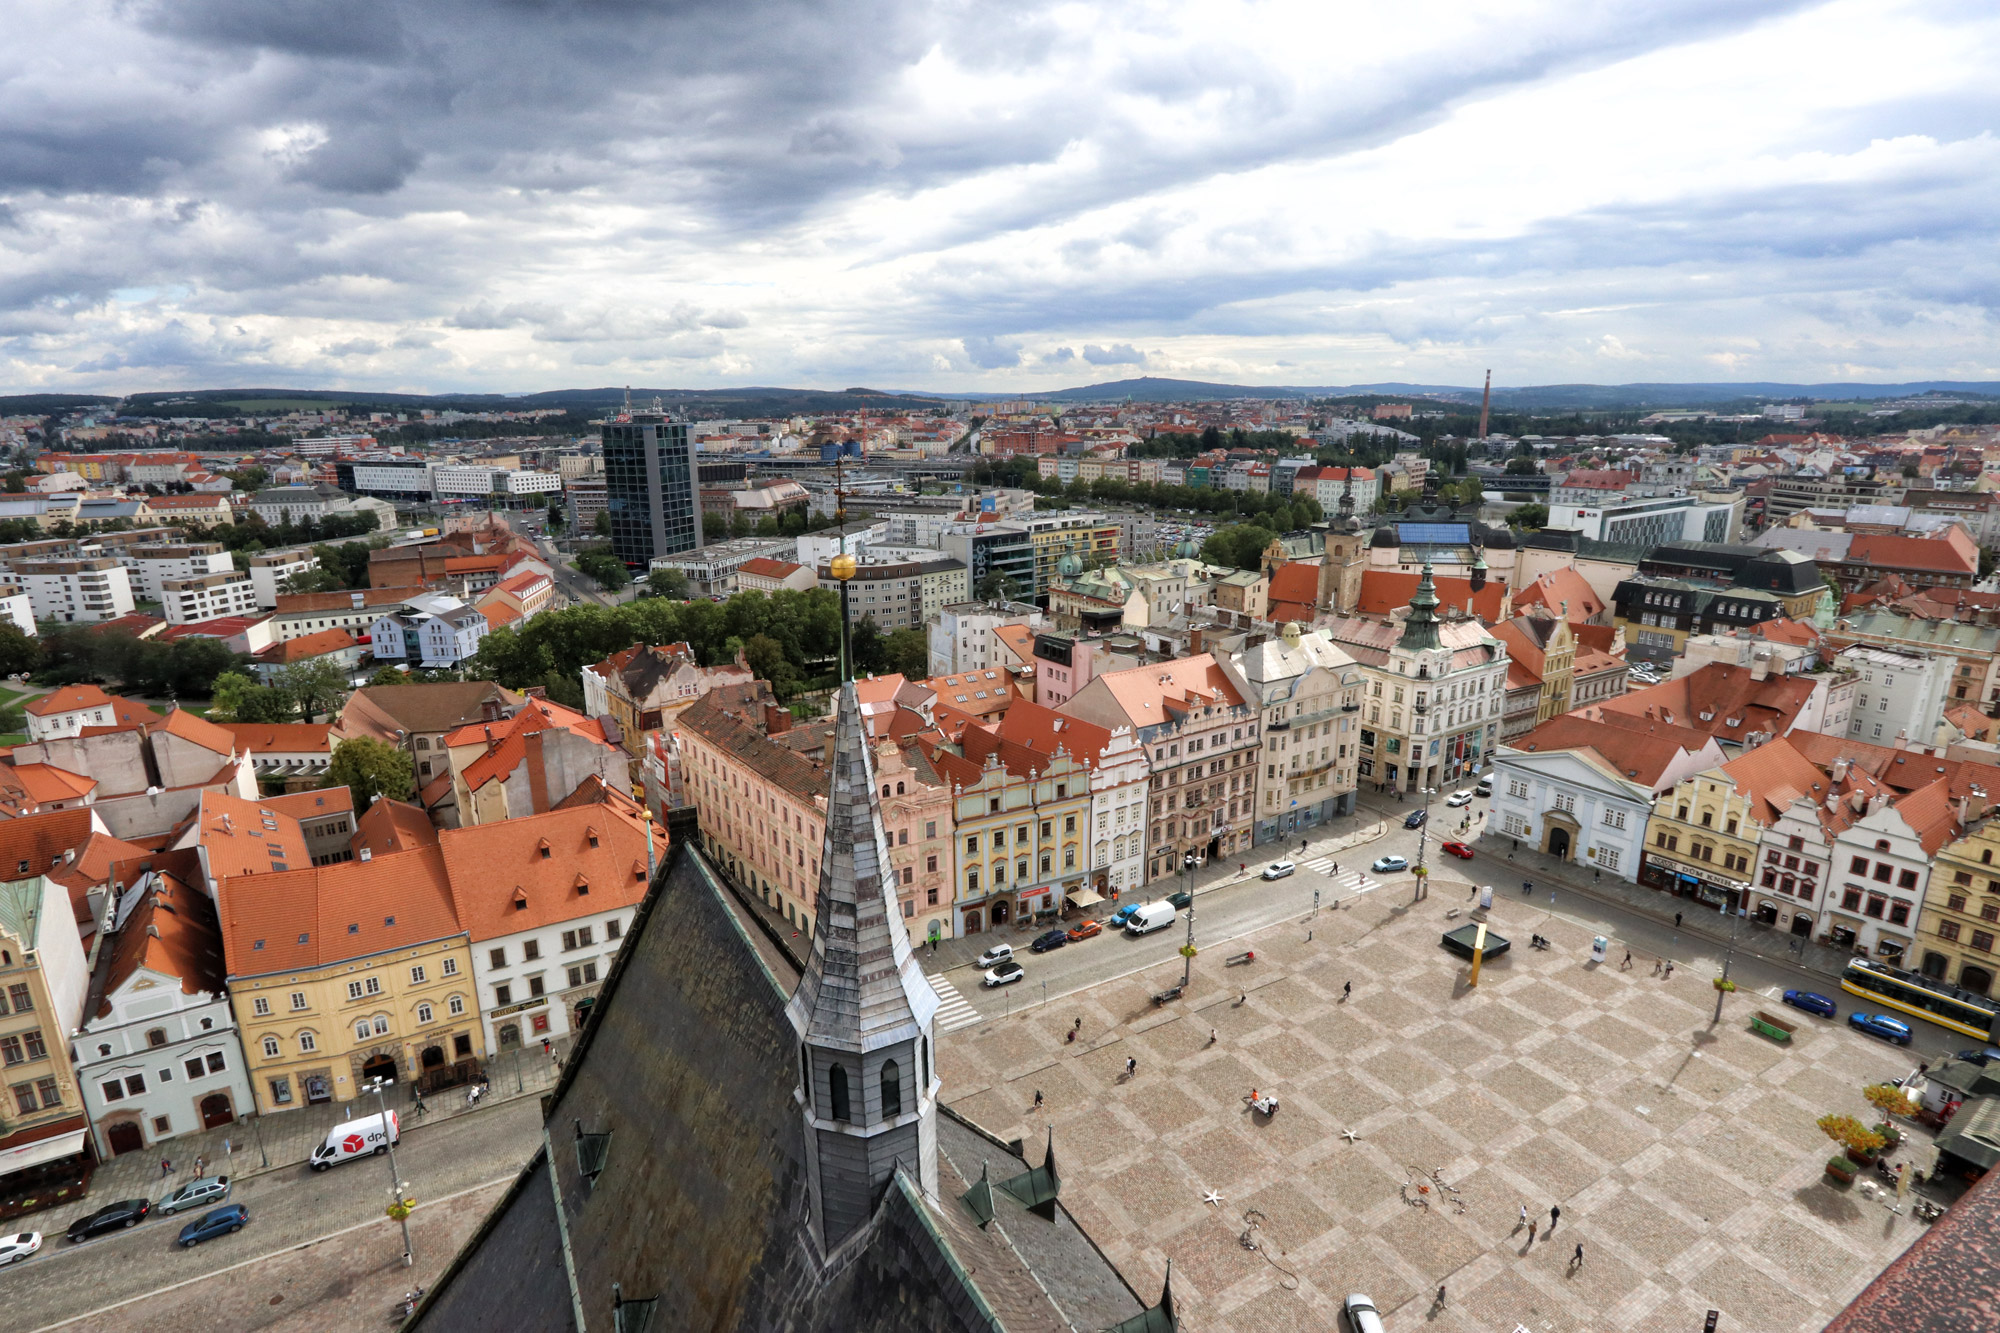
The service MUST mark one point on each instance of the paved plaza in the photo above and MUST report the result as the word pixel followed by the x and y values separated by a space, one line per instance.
pixel 1684 1156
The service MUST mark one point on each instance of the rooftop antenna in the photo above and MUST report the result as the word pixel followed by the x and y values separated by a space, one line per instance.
pixel 628 400
pixel 1485 403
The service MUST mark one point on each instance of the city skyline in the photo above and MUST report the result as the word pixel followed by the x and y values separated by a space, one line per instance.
pixel 413 198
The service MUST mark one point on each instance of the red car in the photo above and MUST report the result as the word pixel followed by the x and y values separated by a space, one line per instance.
pixel 1460 850
pixel 1085 930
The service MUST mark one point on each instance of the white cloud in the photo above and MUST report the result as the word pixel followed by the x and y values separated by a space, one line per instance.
pixel 453 195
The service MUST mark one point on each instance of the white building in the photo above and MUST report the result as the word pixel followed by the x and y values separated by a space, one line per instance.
pixel 961 636
pixel 158 1054
pixel 289 504
pixel 270 571
pixel 76 590
pixel 186 601
pixel 155 562
pixel 17 607
pixel 430 631
pixel 473 481
pixel 1310 692
pixel 1901 695
pixel 1594 813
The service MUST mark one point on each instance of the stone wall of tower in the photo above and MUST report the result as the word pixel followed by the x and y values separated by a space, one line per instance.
pixel 852 1160
pixel 1340 572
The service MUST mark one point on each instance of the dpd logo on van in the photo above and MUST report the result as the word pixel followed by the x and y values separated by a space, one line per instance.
pixel 352 1143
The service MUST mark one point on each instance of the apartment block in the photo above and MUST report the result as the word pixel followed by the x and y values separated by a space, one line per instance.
pixel 155 562
pixel 270 571
pixel 209 597
pixel 76 591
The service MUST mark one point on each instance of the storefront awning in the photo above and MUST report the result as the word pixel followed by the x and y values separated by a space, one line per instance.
pixel 22 1156
pixel 1083 896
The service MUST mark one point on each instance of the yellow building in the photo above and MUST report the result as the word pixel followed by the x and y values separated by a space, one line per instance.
pixel 43 978
pixel 1702 838
pixel 1021 818
pixel 342 973
pixel 1960 921
pixel 1089 537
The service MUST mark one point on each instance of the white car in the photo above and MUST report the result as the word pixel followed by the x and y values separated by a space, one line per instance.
pixel 1362 1316
pixel 1004 974
pixel 999 953
pixel 1278 869
pixel 15 1248
pixel 1459 798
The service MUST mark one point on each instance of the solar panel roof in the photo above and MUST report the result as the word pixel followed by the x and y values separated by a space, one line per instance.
pixel 1434 534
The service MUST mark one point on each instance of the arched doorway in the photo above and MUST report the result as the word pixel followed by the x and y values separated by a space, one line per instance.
pixel 1975 979
pixel 1559 842
pixel 125 1136
pixel 1802 925
pixel 1767 913
pixel 432 1057
pixel 972 922
pixel 999 910
pixel 583 1008
pixel 510 1036
pixel 380 1066
pixel 1934 965
pixel 216 1110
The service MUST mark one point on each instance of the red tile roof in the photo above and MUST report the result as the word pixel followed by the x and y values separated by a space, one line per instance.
pixel 172 931
pixel 316 644
pixel 1640 756
pixel 315 804
pixel 1295 584
pixel 522 874
pixel 35 844
pixel 1387 590
pixel 1727 702
pixel 762 567
pixel 280 737
pixel 393 826
pixel 1560 586
pixel 1936 555
pixel 297 919
pixel 67 699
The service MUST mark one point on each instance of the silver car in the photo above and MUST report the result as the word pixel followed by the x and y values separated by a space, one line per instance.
pixel 1362 1316
pixel 206 1192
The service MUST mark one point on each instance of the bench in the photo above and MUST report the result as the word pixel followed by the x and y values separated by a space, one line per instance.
pixel 1777 1029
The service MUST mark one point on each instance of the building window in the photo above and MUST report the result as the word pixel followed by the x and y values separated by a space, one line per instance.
pixel 10 1051
pixel 450 967
pixel 503 995
pixel 417 975
pixel 1982 941
pixel 455 1005
pixel 1899 914
pixel 24 1098
pixel 1614 819
pixel 1607 857
pixel 261 1007
pixel 307 1042
pixel 496 957
pixel 21 998
pixel 271 1048
pixel 281 1092
pixel 298 1000
pixel 1948 930
pixel 1850 900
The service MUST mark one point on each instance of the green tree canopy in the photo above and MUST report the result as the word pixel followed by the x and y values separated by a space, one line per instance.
pixel 1529 517
pixel 1240 545
pixel 315 685
pixel 370 768
pixel 20 654
pixel 605 568
pixel 671 583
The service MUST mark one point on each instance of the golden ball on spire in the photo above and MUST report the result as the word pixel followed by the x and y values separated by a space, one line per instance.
pixel 843 567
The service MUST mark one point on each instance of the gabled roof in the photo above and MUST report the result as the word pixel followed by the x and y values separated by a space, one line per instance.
pixel 246 838
pixel 67 699
pixel 1043 730
pixel 1773 775
pixel 1727 702
pixel 1639 756
pixel 1387 590
pixel 522 874
pixel 280 737
pixel 764 567
pixel 197 730
pixel 316 644
pixel 316 804
pixel 1294 584
pixel 1560 586
pixel 1151 695
pixel 431 707
pixel 38 842
pixel 173 931
pixel 392 826
pixel 297 919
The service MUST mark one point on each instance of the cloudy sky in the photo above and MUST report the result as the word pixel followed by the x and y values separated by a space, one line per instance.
pixel 517 195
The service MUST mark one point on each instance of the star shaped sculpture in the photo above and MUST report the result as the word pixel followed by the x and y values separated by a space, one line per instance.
pixel 1349 1135
pixel 1212 1197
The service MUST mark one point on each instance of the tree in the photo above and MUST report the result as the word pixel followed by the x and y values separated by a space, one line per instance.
pixel 1528 516
pixel 227 694
pixel 1521 467
pixel 389 675
pixel 668 583
pixel 766 656
pixel 870 655
pixel 601 525
pixel 194 664
pixel 370 768
pixel 907 651
pixel 1240 545
pixel 316 685
pixel 20 654
pixel 607 569
pixel 996 587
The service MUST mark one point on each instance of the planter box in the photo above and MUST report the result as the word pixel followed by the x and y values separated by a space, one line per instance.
pixel 1840 1171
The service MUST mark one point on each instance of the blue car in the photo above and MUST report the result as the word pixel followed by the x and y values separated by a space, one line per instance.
pixel 1983 1056
pixel 1812 1002
pixel 1124 914
pixel 1416 818
pixel 209 1225
pixel 1881 1025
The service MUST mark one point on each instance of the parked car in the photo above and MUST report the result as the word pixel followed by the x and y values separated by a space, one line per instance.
pixel 1458 849
pixel 1278 869
pixel 999 953
pixel 13 1249
pixel 1459 798
pixel 1004 973
pixel 208 1226
pixel 1812 1002
pixel 1180 901
pixel 1124 914
pixel 203 1193
pixel 124 1213
pixel 1980 1057
pixel 1362 1316
pixel 1881 1025
pixel 1054 939
pixel 1416 819
pixel 1385 865
pixel 1083 930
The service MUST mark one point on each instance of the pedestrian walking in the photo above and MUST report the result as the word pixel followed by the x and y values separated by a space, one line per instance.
pixel 417 1106
pixel 199 1163
pixel 1532 1226
pixel 1440 1299
pixel 166 1167
pixel 1131 1066
pixel 1677 920
pixel 546 1047
pixel 1576 1260
pixel 1038 1099
pixel 1211 1036
pixel 1627 964
pixel 1555 1216
pixel 1524 1218
pixel 1346 990
pixel 1596 875
pixel 1669 976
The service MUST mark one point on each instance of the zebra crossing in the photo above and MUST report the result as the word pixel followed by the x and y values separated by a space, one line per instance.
pixel 953 1011
pixel 1347 881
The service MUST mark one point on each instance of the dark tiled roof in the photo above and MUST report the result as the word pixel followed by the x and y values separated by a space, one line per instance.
pixel 1948 1282
pixel 728 728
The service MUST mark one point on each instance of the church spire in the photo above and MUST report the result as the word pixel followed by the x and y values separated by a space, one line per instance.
pixel 1348 523
pixel 863 1014
pixel 1420 630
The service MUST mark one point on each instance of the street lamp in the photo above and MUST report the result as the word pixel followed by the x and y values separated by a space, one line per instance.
pixel 1423 843
pixel 1722 986
pixel 1187 881
pixel 377 1085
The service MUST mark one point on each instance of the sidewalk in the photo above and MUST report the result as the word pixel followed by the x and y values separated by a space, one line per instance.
pixel 254 1145
pixel 1221 874
pixel 1509 866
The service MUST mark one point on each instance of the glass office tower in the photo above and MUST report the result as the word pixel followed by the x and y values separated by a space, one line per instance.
pixel 651 488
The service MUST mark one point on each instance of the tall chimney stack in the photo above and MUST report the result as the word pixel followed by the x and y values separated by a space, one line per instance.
pixel 1485 404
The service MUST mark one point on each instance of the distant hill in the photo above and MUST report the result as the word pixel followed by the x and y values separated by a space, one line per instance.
pixel 718 402
pixel 1154 389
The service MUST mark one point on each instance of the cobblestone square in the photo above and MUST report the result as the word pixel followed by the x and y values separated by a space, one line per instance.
pixel 1684 1156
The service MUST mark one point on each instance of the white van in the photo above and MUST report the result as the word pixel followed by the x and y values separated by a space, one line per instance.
pixel 1485 787
pixel 1150 918
pixel 356 1138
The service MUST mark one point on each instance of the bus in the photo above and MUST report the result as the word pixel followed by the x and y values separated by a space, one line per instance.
pixel 1922 997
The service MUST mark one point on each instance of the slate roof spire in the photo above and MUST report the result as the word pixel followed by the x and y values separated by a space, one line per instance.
pixel 1420 630
pixel 863 1012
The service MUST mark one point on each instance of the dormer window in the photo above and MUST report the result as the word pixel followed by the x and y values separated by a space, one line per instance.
pixel 543 845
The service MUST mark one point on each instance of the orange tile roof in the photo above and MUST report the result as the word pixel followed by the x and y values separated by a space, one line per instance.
pixel 180 722
pixel 1019 639
pixel 473 564
pixel 1929 813
pixel 280 737
pixel 1387 590
pixel 67 699
pixel 172 931
pixel 520 583
pixel 46 784
pixel 764 567
pixel 1727 702
pixel 498 614
pixel 1043 729
pixel 308 645
pixel 1560 586
pixel 522 874
pixel 1151 695
pixel 92 868
pixel 242 838
pixel 1773 775
pixel 315 804
pixel 1641 756
pixel 1935 555
pixel 35 844
pixel 1294 583
pixel 393 826
pixel 298 919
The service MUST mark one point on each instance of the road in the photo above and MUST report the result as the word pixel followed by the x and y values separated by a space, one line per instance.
pixel 288 1208
pixel 1226 914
